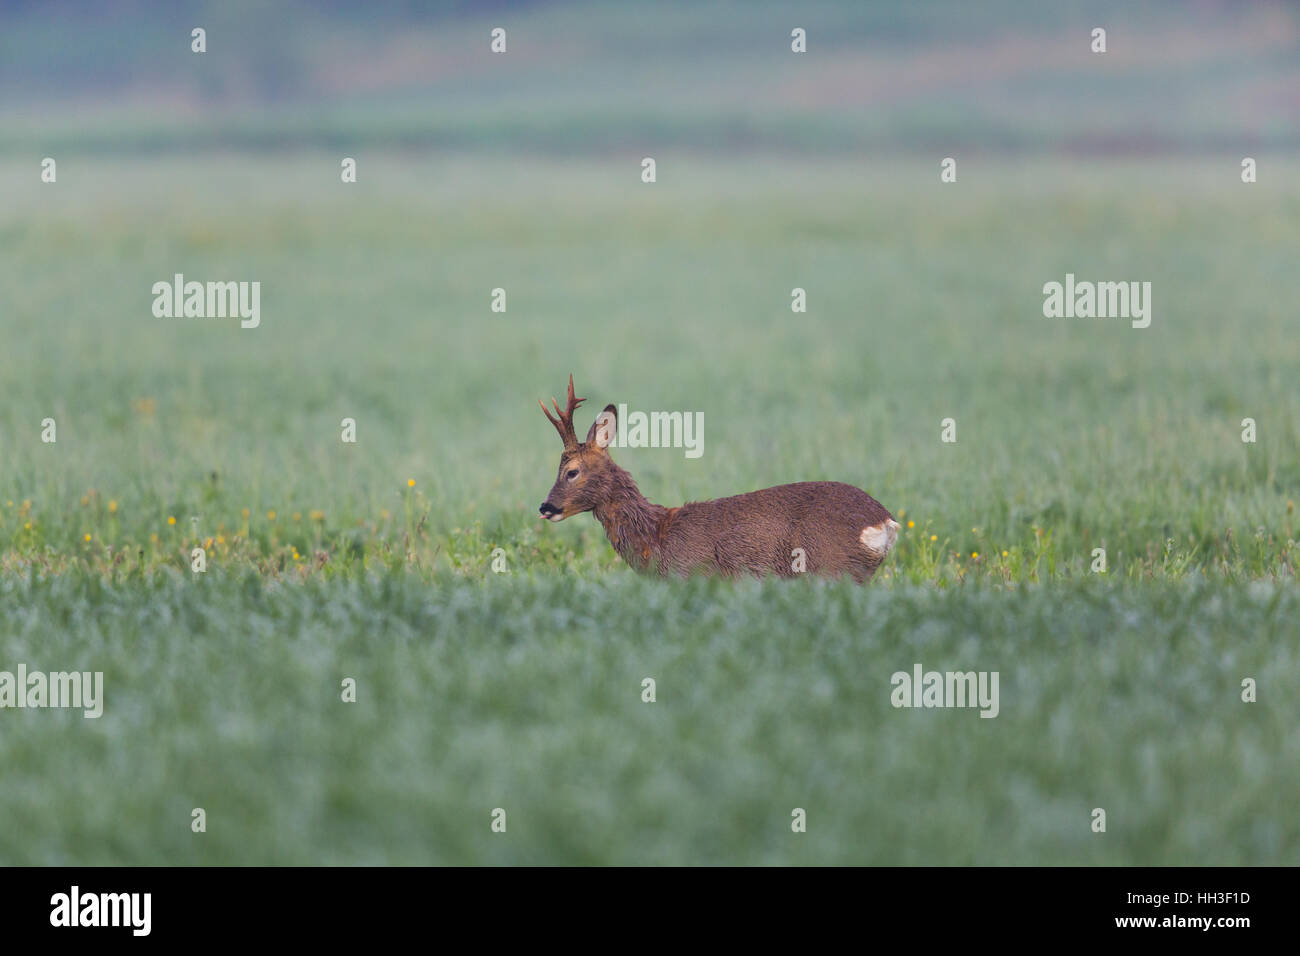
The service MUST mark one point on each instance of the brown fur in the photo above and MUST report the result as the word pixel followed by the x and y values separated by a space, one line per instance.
pixel 841 529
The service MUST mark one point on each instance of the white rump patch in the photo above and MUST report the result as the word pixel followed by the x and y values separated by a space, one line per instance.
pixel 879 538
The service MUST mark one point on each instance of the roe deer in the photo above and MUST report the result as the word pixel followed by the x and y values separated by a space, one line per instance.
pixel 839 528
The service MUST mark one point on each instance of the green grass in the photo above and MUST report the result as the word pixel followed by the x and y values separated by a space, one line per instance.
pixel 924 303
pixel 522 690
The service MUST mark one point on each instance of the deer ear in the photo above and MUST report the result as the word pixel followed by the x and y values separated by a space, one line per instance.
pixel 604 428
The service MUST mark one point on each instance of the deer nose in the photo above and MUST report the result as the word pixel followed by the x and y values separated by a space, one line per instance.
pixel 548 510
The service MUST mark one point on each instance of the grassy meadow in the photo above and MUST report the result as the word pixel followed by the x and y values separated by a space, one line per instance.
pixel 522 690
pixel 924 304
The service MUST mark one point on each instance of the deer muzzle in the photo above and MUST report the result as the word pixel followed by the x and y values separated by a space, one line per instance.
pixel 550 512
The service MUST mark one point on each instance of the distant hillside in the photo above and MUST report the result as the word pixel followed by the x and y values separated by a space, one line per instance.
pixel 582 77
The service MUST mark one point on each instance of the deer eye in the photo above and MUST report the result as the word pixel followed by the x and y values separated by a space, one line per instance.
pixel 571 474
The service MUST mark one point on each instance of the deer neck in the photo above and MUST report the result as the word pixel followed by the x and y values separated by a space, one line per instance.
pixel 630 521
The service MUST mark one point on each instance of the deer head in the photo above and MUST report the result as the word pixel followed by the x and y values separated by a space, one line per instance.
pixel 586 471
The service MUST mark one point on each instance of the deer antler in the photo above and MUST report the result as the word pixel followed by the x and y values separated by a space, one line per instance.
pixel 564 424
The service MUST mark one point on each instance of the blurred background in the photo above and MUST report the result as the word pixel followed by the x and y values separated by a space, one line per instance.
pixel 579 78
pixel 776 170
